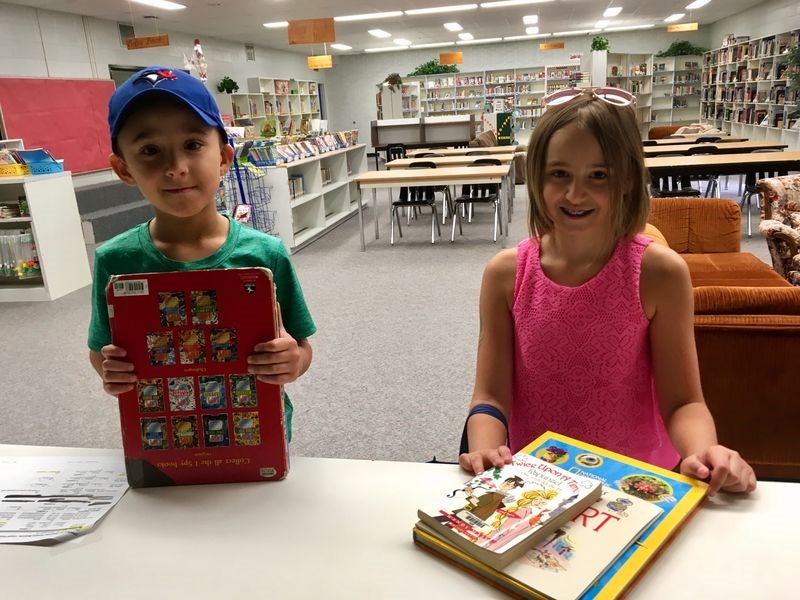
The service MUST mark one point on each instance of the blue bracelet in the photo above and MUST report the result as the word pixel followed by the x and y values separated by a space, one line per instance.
pixel 488 409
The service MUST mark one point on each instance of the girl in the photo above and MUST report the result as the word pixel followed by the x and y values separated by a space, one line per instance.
pixel 586 328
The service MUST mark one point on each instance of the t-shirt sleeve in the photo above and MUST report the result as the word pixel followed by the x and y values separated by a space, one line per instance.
pixel 99 327
pixel 294 310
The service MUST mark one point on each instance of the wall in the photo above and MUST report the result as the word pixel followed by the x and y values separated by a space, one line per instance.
pixel 353 88
pixel 55 44
pixel 767 18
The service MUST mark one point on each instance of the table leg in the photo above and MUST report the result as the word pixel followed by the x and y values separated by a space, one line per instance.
pixel 361 220
pixel 505 215
pixel 375 210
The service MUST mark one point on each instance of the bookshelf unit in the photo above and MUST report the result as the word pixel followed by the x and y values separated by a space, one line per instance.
pixel 271 106
pixel 634 73
pixel 745 91
pixel 400 104
pixel 676 89
pixel 325 197
pixel 57 234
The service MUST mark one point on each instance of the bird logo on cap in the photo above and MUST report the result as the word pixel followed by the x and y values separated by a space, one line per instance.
pixel 157 76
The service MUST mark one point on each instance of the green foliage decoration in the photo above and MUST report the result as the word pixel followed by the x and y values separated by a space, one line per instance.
pixel 432 67
pixel 394 81
pixel 682 48
pixel 227 85
pixel 600 43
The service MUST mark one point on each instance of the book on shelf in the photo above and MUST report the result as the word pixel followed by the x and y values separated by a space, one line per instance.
pixel 504 511
pixel 195 414
pixel 590 557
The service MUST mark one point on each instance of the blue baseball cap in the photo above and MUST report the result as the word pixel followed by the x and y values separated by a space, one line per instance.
pixel 163 80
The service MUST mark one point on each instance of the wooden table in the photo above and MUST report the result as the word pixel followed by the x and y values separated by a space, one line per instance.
pixel 337 528
pixel 688 139
pixel 725 148
pixel 724 164
pixel 518 148
pixel 372 180
pixel 447 161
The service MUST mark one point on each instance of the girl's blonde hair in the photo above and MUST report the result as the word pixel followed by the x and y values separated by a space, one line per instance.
pixel 615 129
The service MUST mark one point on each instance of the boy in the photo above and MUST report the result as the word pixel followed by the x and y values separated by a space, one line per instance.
pixel 169 141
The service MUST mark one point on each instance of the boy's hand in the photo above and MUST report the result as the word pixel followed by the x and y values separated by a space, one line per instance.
pixel 117 374
pixel 278 361
pixel 723 468
pixel 480 460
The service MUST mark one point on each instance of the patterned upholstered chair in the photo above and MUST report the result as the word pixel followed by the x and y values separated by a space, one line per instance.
pixel 780 223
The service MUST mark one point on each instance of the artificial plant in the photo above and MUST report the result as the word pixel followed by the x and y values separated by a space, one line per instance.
pixel 599 44
pixel 433 67
pixel 682 48
pixel 393 81
pixel 227 85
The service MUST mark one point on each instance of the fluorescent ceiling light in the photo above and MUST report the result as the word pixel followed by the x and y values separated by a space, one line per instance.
pixel 576 32
pixel 161 4
pixel 276 24
pixel 612 12
pixel 466 36
pixel 379 33
pixel 480 41
pixel 697 4
pixel 453 27
pixel 629 27
pixel 602 23
pixel 511 3
pixel 530 19
pixel 402 42
pixel 436 45
pixel 674 17
pixel 367 16
pixel 341 47
pixel 384 49
pixel 441 9
pixel 512 38
pixel 531 30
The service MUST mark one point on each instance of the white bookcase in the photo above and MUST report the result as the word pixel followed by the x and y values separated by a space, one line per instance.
pixel 57 233
pixel 324 203
pixel 745 91
pixel 676 89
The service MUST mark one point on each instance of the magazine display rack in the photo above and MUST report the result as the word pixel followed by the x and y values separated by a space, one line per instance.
pixel 57 234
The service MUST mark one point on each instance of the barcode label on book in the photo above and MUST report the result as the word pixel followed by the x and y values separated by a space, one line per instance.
pixel 131 287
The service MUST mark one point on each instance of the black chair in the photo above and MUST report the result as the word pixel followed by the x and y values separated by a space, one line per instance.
pixel 481 193
pixel 476 152
pixel 672 186
pixel 708 139
pixel 712 181
pixel 428 155
pixel 649 143
pixel 414 198
pixel 751 190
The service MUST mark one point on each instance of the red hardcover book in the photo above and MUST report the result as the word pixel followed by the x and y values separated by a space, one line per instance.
pixel 195 414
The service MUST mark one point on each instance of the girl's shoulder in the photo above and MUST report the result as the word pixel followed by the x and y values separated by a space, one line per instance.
pixel 664 277
pixel 503 264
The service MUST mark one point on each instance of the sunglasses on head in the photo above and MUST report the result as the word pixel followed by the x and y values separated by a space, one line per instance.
pixel 610 95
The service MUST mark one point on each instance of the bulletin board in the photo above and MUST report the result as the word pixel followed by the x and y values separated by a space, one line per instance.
pixel 68 117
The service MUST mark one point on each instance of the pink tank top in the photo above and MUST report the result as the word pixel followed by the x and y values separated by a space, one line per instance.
pixel 582 364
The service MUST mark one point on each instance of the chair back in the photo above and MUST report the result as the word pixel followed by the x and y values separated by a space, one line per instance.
pixel 708 139
pixel 422 164
pixel 476 152
pixel 482 190
pixel 751 178
pixel 428 155
pixel 649 143
pixel 486 161
pixel 420 193
pixel 395 151
pixel 694 150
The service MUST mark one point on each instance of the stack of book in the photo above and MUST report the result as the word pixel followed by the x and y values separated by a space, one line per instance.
pixel 592 543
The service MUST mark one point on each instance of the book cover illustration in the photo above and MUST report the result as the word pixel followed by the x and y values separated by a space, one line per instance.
pixel 500 512
pixel 567 561
pixel 675 494
pixel 196 415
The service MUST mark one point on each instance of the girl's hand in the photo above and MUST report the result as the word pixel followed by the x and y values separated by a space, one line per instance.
pixel 278 361
pixel 117 374
pixel 723 468
pixel 480 460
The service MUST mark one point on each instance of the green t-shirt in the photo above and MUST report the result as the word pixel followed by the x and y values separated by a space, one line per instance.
pixel 134 252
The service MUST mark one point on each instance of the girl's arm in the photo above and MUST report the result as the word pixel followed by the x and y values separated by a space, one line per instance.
pixel 487 435
pixel 667 297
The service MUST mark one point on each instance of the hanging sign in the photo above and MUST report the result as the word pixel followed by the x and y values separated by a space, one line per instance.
pixel 451 58
pixel 148 41
pixel 319 61
pixel 678 27
pixel 551 46
pixel 311 31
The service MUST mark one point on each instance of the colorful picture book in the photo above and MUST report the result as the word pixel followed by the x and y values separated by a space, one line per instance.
pixel 504 511
pixel 195 414
pixel 581 564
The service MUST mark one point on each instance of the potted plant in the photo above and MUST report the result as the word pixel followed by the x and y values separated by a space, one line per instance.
pixel 227 85
pixel 393 81
pixel 599 44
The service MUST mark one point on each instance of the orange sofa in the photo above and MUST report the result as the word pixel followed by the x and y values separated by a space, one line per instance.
pixel 747 331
